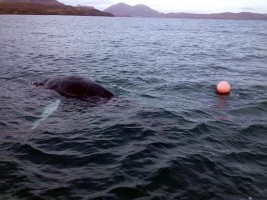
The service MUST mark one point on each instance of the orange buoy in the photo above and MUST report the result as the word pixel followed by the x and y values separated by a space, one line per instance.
pixel 223 87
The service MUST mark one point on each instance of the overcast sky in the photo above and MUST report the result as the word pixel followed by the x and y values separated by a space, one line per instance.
pixel 195 6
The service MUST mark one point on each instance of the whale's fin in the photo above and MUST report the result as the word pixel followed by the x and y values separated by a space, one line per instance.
pixel 47 111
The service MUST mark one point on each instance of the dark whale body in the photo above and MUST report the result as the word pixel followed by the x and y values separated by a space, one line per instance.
pixel 75 86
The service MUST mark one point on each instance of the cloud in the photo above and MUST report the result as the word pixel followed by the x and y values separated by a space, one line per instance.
pixel 249 8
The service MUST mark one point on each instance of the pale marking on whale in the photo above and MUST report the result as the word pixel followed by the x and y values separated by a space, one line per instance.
pixel 48 110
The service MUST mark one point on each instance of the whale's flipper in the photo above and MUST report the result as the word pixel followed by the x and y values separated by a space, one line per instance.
pixel 47 111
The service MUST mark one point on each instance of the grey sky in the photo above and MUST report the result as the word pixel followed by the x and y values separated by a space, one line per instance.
pixel 196 6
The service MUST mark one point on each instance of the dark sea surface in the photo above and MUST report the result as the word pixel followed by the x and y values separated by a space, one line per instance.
pixel 166 135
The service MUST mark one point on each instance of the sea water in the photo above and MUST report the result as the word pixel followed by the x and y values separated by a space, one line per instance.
pixel 166 135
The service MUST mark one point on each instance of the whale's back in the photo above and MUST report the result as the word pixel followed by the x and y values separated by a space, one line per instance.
pixel 78 87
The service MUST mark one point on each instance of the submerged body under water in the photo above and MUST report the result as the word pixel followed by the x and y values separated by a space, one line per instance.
pixel 167 134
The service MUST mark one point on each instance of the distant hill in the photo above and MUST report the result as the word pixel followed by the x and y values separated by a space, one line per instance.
pixel 81 6
pixel 46 7
pixel 125 10
pixel 48 2
pixel 227 15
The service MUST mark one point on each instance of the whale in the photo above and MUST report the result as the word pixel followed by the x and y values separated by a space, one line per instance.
pixel 75 86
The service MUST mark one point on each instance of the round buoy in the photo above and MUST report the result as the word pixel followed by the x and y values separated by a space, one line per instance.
pixel 223 87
